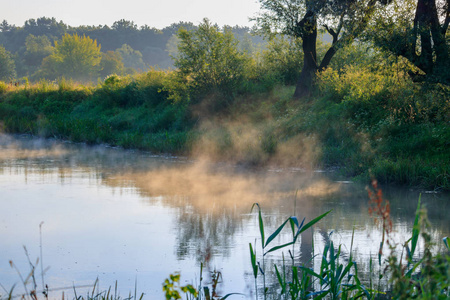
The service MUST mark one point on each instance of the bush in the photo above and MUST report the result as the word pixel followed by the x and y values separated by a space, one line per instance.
pixel 209 63
pixel 3 87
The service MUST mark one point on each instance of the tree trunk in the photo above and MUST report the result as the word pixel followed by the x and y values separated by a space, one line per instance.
pixel 434 58
pixel 308 33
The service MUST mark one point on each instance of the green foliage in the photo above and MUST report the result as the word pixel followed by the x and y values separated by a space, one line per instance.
pixel 343 20
pixel 111 63
pixel 416 30
pixel 172 288
pixel 7 67
pixel 74 57
pixel 367 117
pixel 208 63
pixel 296 229
pixel 401 126
pixel 361 55
pixel 131 58
pixel 282 59
pixel 3 87
pixel 425 278
pixel 37 48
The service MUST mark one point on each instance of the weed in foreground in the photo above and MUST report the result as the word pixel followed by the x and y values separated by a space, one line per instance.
pixel 32 291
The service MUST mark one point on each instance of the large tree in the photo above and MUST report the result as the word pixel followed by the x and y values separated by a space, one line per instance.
pixel 111 63
pixel 418 31
pixel 37 48
pixel 74 57
pixel 344 20
pixel 209 61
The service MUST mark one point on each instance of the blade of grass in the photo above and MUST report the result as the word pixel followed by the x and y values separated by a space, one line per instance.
pixel 261 223
pixel 312 222
pixel 278 247
pixel 276 233
pixel 253 260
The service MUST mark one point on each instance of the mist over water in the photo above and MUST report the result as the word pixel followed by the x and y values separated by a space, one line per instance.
pixel 130 216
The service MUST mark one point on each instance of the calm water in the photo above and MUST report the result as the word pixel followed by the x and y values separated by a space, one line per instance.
pixel 133 217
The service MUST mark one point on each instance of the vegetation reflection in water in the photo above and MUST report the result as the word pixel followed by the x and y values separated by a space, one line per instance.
pixel 212 202
pixel 399 276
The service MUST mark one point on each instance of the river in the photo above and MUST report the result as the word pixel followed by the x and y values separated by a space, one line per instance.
pixel 134 218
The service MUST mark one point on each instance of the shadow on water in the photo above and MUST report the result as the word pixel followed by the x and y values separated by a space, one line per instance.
pixel 209 204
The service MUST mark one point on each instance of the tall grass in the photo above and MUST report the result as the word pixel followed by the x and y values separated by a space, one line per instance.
pixel 363 119
pixel 408 275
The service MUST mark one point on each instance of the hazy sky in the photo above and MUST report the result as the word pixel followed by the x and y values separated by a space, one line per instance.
pixel 154 13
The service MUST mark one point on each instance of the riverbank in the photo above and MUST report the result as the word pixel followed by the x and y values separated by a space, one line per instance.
pixel 359 122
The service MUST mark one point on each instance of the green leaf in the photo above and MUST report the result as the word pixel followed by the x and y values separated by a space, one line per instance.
pixel 346 270
pixel 311 223
pixel 445 240
pixel 294 222
pixel 261 223
pixel 253 260
pixel 310 272
pixel 280 280
pixel 278 247
pixel 332 257
pixel 276 232
pixel 415 266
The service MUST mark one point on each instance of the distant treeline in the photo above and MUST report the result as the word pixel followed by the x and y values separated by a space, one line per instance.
pixel 140 47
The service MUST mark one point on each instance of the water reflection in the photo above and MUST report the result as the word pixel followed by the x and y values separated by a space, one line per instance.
pixel 148 215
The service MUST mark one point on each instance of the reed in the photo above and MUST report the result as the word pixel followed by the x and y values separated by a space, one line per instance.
pixel 409 275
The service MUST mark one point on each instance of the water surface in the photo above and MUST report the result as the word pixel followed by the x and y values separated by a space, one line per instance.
pixel 133 217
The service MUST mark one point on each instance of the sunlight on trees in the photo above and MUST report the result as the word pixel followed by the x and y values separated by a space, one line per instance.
pixel 209 61
pixel 417 31
pixel 344 20
pixel 74 57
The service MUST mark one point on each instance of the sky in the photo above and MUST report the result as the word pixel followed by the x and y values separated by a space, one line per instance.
pixel 154 13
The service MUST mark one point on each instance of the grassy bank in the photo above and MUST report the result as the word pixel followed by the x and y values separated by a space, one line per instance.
pixel 358 121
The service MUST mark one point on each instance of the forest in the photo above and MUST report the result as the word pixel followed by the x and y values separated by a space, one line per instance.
pixel 357 87
pixel 123 48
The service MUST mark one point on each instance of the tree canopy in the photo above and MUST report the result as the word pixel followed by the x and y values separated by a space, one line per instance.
pixel 344 20
pixel 208 60
pixel 74 57
pixel 417 31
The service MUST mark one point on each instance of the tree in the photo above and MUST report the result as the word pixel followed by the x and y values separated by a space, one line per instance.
pixel 283 59
pixel 74 57
pixel 111 63
pixel 7 67
pixel 124 26
pixel 131 58
pixel 5 26
pixel 344 20
pixel 37 48
pixel 45 26
pixel 418 31
pixel 209 61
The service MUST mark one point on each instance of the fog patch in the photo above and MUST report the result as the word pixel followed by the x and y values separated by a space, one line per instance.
pixel 242 141
pixel 26 148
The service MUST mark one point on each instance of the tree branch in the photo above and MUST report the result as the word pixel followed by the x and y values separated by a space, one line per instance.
pixel 447 19
pixel 333 34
